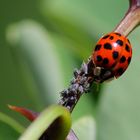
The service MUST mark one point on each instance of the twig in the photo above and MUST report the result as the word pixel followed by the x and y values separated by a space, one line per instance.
pixel 80 84
pixel 85 76
pixel 131 19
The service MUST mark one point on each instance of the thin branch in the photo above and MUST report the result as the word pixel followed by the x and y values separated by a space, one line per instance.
pixel 134 3
pixel 85 76
pixel 80 84
pixel 131 19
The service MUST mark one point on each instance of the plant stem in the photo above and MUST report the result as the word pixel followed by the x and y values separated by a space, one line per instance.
pixel 80 84
pixel 131 19
pixel 83 78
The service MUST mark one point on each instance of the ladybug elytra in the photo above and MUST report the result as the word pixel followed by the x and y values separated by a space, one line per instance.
pixel 112 55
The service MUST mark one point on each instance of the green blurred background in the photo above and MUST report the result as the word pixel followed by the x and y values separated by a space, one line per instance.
pixel 41 42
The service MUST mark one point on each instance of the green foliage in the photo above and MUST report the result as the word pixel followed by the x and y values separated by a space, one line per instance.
pixel 9 128
pixel 87 128
pixel 47 118
pixel 42 42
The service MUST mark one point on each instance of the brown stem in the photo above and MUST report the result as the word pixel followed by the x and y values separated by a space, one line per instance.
pixel 134 3
pixel 81 82
pixel 131 19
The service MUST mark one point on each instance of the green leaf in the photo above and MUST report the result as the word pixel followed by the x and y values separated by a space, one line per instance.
pixel 83 21
pixel 35 47
pixel 85 128
pixel 9 128
pixel 55 115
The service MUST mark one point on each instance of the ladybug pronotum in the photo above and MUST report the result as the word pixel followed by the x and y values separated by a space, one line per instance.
pixel 111 56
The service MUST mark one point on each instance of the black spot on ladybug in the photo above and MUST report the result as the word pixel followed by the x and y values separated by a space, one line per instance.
pixel 123 59
pixel 99 58
pixel 119 42
pixel 128 60
pixel 111 37
pixel 127 48
pixel 105 61
pixel 98 47
pixel 120 71
pixel 115 54
pixel 128 41
pixel 106 36
pixel 118 34
pixel 108 46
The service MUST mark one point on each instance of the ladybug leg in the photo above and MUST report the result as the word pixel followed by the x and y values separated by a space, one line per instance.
pixel 97 71
pixel 107 76
pixel 102 75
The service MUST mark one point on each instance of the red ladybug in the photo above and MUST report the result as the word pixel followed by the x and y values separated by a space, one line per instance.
pixel 112 53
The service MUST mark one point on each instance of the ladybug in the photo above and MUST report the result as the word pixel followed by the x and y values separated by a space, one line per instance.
pixel 111 56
